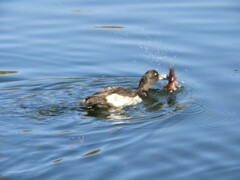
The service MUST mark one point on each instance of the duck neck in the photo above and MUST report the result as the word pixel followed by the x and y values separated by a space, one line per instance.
pixel 143 86
pixel 142 91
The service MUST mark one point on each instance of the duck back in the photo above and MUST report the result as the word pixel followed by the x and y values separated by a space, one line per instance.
pixel 113 96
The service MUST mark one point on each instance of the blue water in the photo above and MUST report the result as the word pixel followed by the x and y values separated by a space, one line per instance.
pixel 54 53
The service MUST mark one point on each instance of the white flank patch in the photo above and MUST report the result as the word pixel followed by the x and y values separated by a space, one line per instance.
pixel 120 101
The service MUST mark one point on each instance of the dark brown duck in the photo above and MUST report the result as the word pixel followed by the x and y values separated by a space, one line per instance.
pixel 119 96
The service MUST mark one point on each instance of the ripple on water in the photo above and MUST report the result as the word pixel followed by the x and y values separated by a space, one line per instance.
pixel 56 97
pixel 47 99
pixel 82 134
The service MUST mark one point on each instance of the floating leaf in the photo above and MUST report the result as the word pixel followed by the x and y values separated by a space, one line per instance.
pixel 8 72
pixel 91 152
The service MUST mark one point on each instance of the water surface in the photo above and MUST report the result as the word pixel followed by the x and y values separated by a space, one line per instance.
pixel 54 53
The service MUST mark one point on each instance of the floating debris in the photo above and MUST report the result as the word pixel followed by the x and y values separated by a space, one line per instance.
pixel 92 152
pixel 8 72
pixel 66 131
pixel 109 27
pixel 58 160
pixel 24 130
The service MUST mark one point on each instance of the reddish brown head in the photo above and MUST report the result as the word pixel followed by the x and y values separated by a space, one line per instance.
pixel 172 80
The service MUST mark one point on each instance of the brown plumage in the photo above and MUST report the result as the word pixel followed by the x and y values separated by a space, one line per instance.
pixel 172 80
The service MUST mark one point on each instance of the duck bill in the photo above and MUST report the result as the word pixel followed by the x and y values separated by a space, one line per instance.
pixel 162 77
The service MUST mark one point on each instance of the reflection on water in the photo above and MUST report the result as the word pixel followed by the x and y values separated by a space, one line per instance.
pixel 160 105
pixel 81 11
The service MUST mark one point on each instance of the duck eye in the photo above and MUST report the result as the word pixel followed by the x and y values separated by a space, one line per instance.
pixel 155 74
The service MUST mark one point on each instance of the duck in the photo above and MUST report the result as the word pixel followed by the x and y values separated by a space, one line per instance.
pixel 120 96
pixel 172 80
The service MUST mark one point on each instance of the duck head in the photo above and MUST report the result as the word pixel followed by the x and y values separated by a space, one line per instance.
pixel 148 79
pixel 172 80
